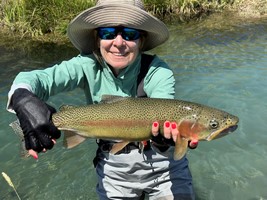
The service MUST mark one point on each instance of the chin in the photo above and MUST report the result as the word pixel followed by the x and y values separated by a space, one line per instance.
pixel 119 64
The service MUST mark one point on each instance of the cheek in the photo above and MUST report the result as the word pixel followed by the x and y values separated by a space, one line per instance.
pixel 135 49
pixel 104 45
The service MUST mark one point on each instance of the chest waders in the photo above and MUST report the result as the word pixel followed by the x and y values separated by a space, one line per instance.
pixel 146 60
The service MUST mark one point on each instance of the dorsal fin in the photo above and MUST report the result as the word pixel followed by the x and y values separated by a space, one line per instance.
pixel 66 107
pixel 111 98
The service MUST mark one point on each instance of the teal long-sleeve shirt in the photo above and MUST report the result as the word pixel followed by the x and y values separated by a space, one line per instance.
pixel 84 71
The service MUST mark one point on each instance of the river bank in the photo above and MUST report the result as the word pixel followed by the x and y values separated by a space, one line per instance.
pixel 47 21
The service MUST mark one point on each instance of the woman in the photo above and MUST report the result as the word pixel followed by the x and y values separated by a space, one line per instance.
pixel 111 37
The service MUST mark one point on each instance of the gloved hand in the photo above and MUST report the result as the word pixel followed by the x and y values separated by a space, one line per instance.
pixel 35 120
pixel 170 135
pixel 162 143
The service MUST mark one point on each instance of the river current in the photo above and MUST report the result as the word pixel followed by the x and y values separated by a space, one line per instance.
pixel 218 62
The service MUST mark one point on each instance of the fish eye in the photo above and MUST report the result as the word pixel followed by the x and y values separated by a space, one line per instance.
pixel 214 124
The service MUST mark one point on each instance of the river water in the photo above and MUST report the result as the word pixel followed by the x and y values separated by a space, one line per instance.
pixel 219 62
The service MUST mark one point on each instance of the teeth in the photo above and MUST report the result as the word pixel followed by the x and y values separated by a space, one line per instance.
pixel 118 54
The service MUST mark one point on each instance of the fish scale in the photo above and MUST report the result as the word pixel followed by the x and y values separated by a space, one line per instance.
pixel 130 119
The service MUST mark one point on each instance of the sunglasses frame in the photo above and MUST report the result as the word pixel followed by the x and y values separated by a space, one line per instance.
pixel 112 33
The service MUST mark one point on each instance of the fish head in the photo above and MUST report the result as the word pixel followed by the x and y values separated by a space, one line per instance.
pixel 216 123
pixel 203 123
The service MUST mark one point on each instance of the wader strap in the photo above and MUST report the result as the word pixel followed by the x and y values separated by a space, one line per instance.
pixel 105 146
pixel 146 60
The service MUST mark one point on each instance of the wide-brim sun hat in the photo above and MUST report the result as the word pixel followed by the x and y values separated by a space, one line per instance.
pixel 110 13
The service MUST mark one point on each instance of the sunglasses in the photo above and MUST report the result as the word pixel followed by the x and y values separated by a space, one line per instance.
pixel 110 33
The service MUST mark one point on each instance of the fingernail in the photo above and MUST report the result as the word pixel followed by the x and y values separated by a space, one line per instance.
pixel 174 126
pixel 35 157
pixel 155 124
pixel 167 124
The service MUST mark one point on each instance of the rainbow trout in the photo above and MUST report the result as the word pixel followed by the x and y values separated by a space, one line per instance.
pixel 130 119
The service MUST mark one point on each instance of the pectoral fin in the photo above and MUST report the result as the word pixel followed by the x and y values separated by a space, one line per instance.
pixel 188 129
pixel 71 139
pixel 118 146
pixel 180 148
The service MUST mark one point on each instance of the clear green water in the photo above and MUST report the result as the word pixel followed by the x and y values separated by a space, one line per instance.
pixel 215 63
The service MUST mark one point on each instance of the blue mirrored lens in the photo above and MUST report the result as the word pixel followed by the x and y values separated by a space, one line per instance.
pixel 130 34
pixel 109 33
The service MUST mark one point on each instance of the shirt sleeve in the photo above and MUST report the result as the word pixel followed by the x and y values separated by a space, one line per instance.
pixel 159 81
pixel 65 76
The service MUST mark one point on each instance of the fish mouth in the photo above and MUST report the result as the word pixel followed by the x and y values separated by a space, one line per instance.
pixel 221 133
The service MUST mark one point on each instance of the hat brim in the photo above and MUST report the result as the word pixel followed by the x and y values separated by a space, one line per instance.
pixel 81 29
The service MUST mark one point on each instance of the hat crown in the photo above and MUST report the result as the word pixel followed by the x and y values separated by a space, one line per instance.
pixel 137 3
pixel 110 13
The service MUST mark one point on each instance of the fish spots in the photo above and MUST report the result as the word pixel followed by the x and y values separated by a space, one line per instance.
pixel 187 108
pixel 114 123
pixel 132 116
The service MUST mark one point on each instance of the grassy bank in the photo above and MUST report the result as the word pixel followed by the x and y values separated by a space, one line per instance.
pixel 34 18
pixel 38 19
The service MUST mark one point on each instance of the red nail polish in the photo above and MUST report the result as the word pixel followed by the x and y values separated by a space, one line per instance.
pixel 167 124
pixel 174 126
pixel 35 157
pixel 155 124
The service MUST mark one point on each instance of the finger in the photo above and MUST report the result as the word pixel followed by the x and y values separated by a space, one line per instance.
pixel 54 141
pixel 53 131
pixel 45 140
pixel 155 128
pixel 167 129
pixel 193 144
pixel 31 142
pixel 33 153
pixel 174 131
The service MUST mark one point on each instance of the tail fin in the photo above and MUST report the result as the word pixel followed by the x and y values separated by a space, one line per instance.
pixel 18 131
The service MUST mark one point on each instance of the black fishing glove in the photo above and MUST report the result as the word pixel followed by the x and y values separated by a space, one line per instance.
pixel 35 120
pixel 163 143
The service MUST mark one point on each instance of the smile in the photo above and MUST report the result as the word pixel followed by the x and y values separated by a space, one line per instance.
pixel 120 54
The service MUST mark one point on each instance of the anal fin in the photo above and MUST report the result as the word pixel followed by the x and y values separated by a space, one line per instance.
pixel 118 146
pixel 71 139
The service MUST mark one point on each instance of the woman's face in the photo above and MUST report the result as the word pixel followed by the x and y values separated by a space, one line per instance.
pixel 119 53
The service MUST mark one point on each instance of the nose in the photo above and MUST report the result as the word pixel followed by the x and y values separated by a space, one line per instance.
pixel 119 41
